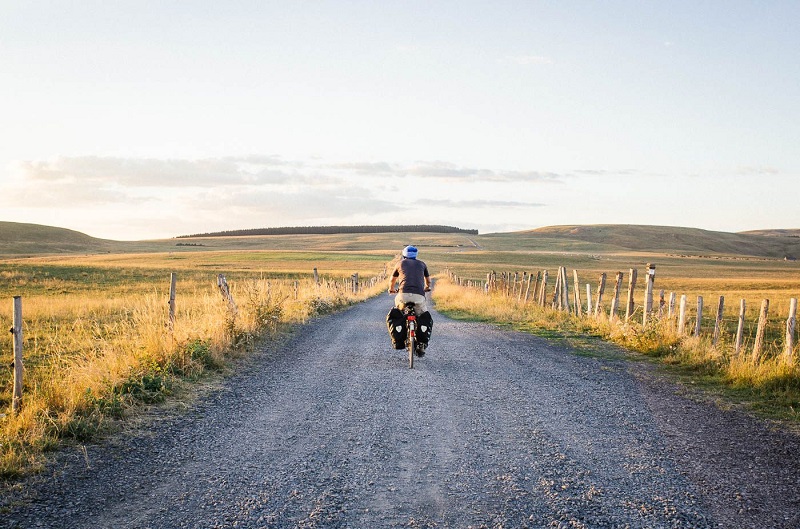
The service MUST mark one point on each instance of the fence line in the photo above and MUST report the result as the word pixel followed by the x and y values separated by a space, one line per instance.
pixel 559 300
pixel 351 284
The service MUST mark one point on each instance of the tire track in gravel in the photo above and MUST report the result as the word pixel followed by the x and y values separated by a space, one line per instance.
pixel 491 429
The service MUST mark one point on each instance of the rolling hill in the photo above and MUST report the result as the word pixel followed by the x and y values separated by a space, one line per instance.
pixel 774 233
pixel 666 239
pixel 22 239
pixel 18 239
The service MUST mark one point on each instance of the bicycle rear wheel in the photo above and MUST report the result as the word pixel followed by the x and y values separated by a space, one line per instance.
pixel 412 346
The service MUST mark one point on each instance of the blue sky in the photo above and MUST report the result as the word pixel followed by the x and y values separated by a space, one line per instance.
pixel 133 120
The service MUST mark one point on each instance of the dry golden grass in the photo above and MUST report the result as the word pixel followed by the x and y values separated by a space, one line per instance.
pixel 771 384
pixel 97 342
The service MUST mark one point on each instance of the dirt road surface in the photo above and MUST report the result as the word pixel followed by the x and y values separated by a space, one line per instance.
pixel 492 429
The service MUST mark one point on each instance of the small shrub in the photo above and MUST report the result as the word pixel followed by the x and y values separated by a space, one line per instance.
pixel 150 386
pixel 264 306
pixel 82 428
pixel 110 405
pixel 200 351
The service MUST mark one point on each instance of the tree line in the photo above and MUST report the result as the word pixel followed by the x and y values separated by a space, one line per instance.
pixel 330 230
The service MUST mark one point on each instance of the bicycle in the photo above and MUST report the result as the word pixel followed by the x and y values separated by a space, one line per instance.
pixel 411 332
pixel 413 345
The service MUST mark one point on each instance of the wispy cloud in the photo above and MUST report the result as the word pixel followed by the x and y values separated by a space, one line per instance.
pixel 368 167
pixel 605 173
pixel 757 170
pixel 144 172
pixel 529 60
pixel 83 180
pixel 296 205
pixel 261 191
pixel 479 204
pixel 446 171
pixel 449 171
pixel 66 195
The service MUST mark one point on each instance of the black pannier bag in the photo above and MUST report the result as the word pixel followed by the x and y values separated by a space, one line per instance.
pixel 424 327
pixel 396 323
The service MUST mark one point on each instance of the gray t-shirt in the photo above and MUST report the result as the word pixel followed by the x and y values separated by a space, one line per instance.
pixel 411 274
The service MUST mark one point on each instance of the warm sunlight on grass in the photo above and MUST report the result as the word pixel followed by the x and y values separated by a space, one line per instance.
pixel 771 384
pixel 97 344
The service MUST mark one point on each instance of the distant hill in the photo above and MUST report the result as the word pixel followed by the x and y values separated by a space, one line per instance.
pixel 773 233
pixel 18 239
pixel 675 240
pixel 22 239
pixel 332 230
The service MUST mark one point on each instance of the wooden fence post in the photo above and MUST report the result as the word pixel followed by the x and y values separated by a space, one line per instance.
pixel 222 283
pixel 565 291
pixel 355 283
pixel 682 316
pixel 718 321
pixel 758 346
pixel 648 292
pixel 316 276
pixel 661 304
pixel 589 307
pixel 631 287
pixel 528 288
pixel 737 345
pixel 671 309
pixel 577 290
pixel 173 279
pixel 615 300
pixel 791 323
pixel 16 330
pixel 522 284
pixel 557 291
pixel 600 289
pixel 543 293
pixel 699 322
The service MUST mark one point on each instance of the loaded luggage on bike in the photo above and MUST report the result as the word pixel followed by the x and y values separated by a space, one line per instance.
pixel 396 324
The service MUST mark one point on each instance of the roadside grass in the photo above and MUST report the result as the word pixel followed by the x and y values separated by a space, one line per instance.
pixel 97 346
pixel 770 387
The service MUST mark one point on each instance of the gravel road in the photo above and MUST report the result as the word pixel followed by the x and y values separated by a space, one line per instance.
pixel 491 429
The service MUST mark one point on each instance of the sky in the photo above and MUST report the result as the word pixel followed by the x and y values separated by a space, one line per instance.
pixel 133 120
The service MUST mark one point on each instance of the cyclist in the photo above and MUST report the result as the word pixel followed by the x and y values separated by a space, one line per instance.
pixel 411 276
pixel 410 281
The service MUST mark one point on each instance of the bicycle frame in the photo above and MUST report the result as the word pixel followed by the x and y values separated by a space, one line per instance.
pixel 411 332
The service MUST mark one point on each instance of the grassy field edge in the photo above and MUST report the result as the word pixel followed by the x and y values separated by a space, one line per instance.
pixel 78 398
pixel 770 389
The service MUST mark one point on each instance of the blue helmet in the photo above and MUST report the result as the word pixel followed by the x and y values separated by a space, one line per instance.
pixel 410 252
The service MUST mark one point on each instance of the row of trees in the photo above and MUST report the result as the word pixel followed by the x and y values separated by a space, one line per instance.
pixel 330 230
